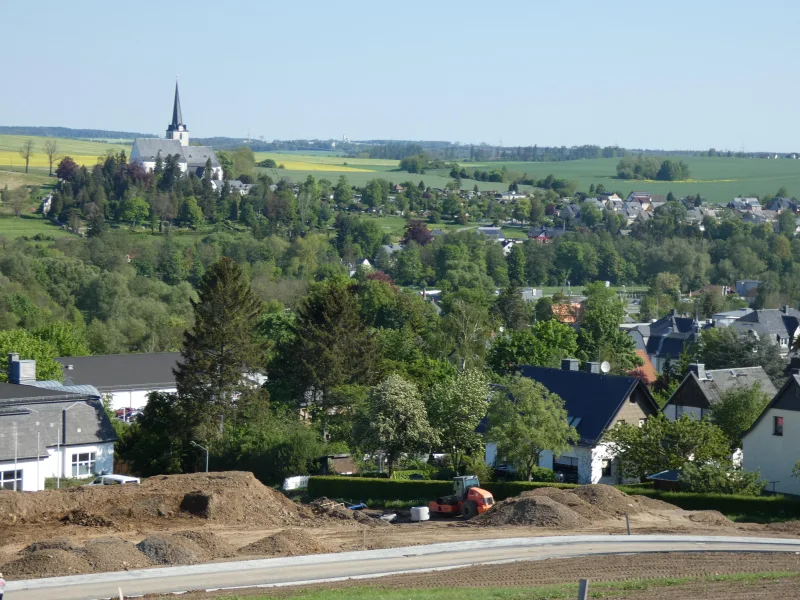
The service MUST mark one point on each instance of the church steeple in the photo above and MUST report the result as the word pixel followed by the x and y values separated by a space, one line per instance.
pixel 177 130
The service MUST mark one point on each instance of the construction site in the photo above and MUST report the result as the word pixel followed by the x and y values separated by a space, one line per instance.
pixel 213 517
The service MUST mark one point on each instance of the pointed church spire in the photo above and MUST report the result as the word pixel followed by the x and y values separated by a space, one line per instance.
pixel 177 118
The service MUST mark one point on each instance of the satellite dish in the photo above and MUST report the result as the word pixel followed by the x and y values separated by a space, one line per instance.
pixel 605 367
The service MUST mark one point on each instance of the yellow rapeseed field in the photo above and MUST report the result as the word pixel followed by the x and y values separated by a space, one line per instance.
pixel 39 159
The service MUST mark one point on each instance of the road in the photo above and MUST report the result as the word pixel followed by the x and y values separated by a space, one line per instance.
pixel 321 568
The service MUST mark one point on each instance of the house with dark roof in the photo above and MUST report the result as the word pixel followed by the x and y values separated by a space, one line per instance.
pixel 701 389
pixel 50 430
pixel 191 159
pixel 595 402
pixel 126 379
pixel 778 325
pixel 669 336
pixel 772 445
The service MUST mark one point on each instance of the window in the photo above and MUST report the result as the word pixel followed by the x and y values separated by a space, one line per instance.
pixel 642 422
pixel 607 468
pixel 777 428
pixel 83 464
pixel 9 478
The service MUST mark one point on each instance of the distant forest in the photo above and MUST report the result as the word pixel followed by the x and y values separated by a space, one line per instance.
pixel 69 133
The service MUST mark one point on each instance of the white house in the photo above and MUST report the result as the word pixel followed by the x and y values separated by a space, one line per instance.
pixel 595 402
pixel 772 445
pixel 126 379
pixel 50 430
pixel 194 159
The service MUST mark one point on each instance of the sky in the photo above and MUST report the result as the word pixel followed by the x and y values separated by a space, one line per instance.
pixel 638 74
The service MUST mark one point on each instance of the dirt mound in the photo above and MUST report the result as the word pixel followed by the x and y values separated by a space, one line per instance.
pixel 185 548
pixel 232 498
pixel 711 517
pixel 792 527
pixel 114 554
pixel 334 510
pixel 539 511
pixel 608 499
pixel 289 542
pixel 571 501
pixel 46 563
pixel 84 519
pixel 49 545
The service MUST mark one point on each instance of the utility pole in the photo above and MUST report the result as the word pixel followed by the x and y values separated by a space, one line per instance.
pixel 193 443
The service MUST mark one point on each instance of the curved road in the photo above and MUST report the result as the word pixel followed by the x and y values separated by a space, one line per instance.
pixel 321 568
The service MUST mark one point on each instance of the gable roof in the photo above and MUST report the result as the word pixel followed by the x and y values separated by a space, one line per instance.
pixel 116 372
pixel 719 381
pixel 788 398
pixel 647 368
pixel 593 398
pixel 783 322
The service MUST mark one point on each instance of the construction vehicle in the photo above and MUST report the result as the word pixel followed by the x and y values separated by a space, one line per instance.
pixel 468 499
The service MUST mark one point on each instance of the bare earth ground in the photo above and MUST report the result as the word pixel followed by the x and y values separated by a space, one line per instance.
pixel 190 519
pixel 597 569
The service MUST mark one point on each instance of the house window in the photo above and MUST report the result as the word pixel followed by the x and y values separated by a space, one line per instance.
pixel 83 464
pixel 8 479
pixel 607 468
pixel 777 427
pixel 642 422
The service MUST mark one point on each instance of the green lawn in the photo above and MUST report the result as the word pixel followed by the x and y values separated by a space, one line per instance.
pixel 604 589
pixel 29 226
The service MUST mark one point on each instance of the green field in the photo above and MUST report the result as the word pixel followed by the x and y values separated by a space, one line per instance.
pixel 29 226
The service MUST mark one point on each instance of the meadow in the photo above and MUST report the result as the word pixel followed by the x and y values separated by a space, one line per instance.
pixel 29 225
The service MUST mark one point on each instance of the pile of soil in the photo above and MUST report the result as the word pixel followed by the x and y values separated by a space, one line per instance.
pixel 711 517
pixel 232 497
pixel 328 508
pixel 608 499
pixel 570 500
pixel 113 554
pixel 538 511
pixel 288 542
pixel 46 563
pixel 49 545
pixel 185 548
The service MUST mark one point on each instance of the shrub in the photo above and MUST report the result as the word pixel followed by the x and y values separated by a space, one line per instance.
pixel 362 488
pixel 711 479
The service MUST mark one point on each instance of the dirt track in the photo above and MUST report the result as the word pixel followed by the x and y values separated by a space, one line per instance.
pixel 597 569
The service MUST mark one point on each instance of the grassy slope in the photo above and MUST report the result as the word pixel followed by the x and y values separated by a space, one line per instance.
pixel 84 153
pixel 28 225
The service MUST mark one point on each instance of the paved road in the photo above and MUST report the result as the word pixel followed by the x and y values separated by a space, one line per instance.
pixel 369 564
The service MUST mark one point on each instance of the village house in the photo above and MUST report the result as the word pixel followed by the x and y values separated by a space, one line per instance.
pixel 772 445
pixel 701 389
pixel 779 326
pixel 595 402
pixel 50 430
pixel 667 338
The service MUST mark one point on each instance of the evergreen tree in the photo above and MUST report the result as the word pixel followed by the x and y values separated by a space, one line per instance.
pixel 516 265
pixel 220 350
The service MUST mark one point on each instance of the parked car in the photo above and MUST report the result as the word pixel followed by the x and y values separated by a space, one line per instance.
pixel 114 480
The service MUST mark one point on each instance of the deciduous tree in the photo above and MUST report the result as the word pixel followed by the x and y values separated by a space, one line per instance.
pixel 51 150
pixel 26 151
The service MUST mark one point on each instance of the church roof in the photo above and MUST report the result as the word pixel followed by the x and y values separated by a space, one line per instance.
pixel 193 156
pixel 177 117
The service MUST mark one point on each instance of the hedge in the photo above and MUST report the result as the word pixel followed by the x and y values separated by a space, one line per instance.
pixel 363 489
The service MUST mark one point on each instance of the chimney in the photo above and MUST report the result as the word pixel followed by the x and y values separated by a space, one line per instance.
pixel 569 364
pixel 21 372
pixel 593 367
pixel 785 309
pixel 699 369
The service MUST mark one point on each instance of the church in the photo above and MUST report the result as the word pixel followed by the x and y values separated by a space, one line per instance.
pixel 193 159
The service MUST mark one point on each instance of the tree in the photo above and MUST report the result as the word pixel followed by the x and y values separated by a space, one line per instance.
pixel 67 169
pixel 221 352
pixel 543 345
pixel 417 231
pixel 513 309
pixel 26 151
pixel 516 265
pixel 29 347
pixel 135 210
pixel 661 445
pixel 66 338
pixel 343 193
pixel 191 214
pixel 720 479
pixel 396 420
pixel 527 420
pixel 787 223
pixel 466 331
pixel 17 199
pixel 600 337
pixel 455 408
pixel 51 150
pixel 737 410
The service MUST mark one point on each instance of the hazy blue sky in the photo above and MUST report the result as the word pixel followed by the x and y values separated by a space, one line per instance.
pixel 675 74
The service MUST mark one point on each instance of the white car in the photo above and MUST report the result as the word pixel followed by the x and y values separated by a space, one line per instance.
pixel 114 480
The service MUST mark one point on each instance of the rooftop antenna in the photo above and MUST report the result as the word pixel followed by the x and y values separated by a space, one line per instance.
pixel 605 366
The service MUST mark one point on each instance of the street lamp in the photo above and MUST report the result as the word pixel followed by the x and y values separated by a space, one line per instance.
pixel 193 443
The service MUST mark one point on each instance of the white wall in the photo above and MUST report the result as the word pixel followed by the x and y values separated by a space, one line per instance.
pixel 59 463
pixel 774 455
pixel 133 398
pixel 28 468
